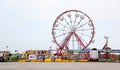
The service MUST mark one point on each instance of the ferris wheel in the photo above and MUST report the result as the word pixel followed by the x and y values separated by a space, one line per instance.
pixel 73 29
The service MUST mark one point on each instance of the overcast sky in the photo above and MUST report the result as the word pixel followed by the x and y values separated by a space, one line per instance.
pixel 27 24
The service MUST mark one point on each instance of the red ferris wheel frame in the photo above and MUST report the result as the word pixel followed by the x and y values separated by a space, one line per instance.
pixel 73 28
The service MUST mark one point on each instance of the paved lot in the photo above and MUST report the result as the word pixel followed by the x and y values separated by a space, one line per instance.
pixel 59 66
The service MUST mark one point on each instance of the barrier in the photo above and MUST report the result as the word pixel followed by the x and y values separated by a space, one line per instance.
pixel 48 60
pixel 83 60
pixel 22 61
pixel 58 60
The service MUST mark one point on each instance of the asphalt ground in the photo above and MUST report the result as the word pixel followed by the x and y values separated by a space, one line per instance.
pixel 59 66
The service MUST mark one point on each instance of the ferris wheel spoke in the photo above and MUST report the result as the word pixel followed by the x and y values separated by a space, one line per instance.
pixel 86 35
pixel 76 16
pixel 79 48
pixel 67 22
pixel 61 42
pixel 81 18
pixel 84 29
pixel 83 24
pixel 83 40
pixel 78 23
pixel 69 16
pixel 61 30
pixel 75 21
pixel 73 41
pixel 62 34
pixel 63 25
pixel 79 39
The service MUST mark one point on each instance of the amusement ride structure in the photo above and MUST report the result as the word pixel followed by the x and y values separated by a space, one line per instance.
pixel 73 29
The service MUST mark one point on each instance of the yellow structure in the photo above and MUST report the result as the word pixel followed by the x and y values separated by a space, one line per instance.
pixel 83 60
pixel 58 60
pixel 22 61
pixel 48 60
pixel 65 60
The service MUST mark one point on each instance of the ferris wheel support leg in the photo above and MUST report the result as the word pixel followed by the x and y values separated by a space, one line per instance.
pixel 65 43
pixel 78 38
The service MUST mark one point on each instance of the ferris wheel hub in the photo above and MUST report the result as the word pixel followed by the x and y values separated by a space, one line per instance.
pixel 73 29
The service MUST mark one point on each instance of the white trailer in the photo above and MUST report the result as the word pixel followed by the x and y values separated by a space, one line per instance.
pixel 94 54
